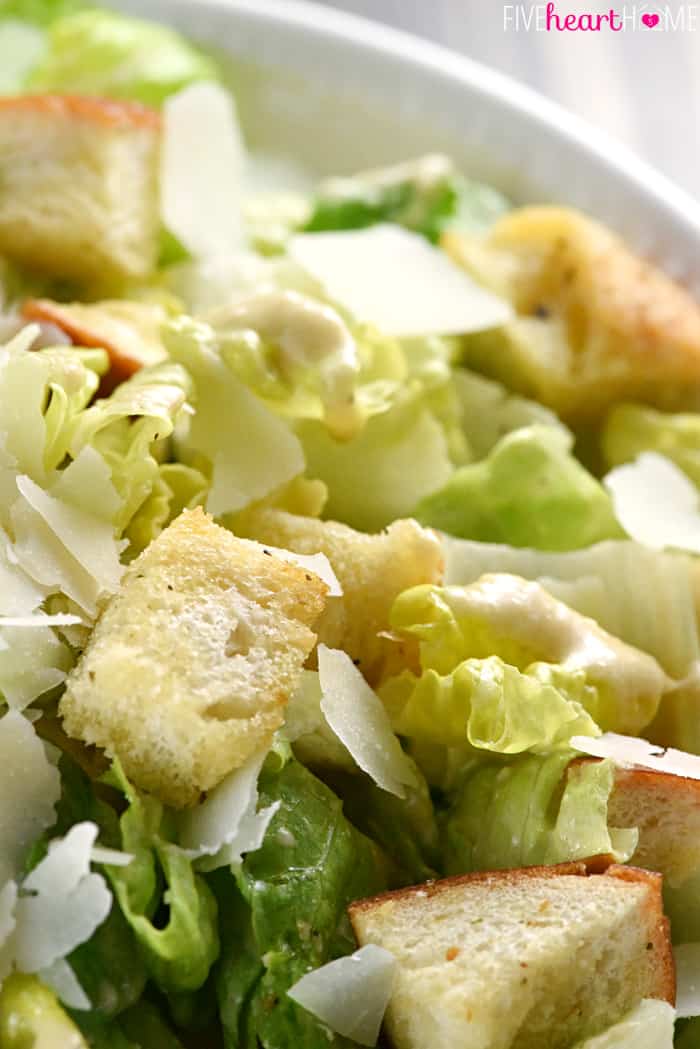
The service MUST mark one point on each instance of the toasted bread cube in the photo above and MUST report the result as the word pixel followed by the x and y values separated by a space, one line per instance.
pixel 128 331
pixel 372 571
pixel 595 323
pixel 190 665
pixel 79 180
pixel 522 959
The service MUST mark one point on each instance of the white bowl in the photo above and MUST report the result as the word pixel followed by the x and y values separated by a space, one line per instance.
pixel 339 93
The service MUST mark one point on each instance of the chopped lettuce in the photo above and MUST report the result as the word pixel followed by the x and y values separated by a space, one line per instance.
pixel 176 931
pixel 21 47
pixel 502 615
pixel 249 451
pixel 381 474
pixel 288 913
pixel 529 491
pixel 487 704
pixel 405 828
pixel 489 411
pixel 426 195
pixel 535 810
pixel 633 428
pixel 97 52
pixel 609 582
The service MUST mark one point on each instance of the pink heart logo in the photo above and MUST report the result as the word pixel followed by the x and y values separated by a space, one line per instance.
pixel 650 21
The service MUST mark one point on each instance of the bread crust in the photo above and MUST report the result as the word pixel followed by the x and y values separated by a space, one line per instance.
pixel 105 112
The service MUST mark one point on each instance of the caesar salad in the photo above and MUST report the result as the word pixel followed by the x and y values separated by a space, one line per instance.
pixel 349 648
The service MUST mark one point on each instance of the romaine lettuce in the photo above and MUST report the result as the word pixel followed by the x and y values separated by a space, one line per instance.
pixel 97 52
pixel 535 810
pixel 249 450
pixel 426 195
pixel 290 915
pixel 486 704
pixel 529 491
pixel 633 428
pixel 609 582
pixel 502 615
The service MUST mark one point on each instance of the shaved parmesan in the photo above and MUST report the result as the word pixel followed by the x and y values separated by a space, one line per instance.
pixel 655 503
pixel 202 161
pixel 30 786
pixel 31 662
pixel 51 924
pixel 112 857
pixel 41 620
pixel 350 994
pixel 19 595
pixel 687 959
pixel 61 978
pixel 226 824
pixel 66 863
pixel 316 563
pixel 631 751
pixel 359 720
pixel 62 547
pixel 398 282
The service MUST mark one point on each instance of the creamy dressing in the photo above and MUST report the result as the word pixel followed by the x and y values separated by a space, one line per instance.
pixel 307 334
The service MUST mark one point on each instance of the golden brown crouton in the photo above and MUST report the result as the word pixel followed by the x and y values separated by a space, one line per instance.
pixel 79 181
pixel 522 959
pixel 128 331
pixel 372 571
pixel 190 666
pixel 595 323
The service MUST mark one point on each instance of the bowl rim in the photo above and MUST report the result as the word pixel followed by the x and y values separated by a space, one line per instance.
pixel 370 35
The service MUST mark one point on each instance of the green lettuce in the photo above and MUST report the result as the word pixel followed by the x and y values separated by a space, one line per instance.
pixel 405 828
pixel 609 582
pixel 129 429
pixel 633 428
pixel 379 476
pixel 535 810
pixel 489 411
pixel 426 195
pixel 97 52
pixel 529 491
pixel 39 12
pixel 285 911
pixel 687 1037
pixel 518 621
pixel 176 929
pixel 486 704
pixel 248 451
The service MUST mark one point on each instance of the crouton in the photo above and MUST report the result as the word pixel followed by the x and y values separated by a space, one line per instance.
pixel 190 665
pixel 372 571
pixel 595 323
pixel 79 181
pixel 128 331
pixel 520 959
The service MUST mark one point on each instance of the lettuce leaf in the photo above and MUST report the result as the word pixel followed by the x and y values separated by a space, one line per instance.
pixel 248 450
pixel 97 52
pixel 426 195
pixel 529 491
pixel 176 930
pixel 609 582
pixel 30 1015
pixel 535 810
pixel 486 703
pixel 290 915
pixel 633 428
pixel 379 476
pixel 525 626
pixel 489 411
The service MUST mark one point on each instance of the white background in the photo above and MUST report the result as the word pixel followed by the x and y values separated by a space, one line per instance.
pixel 642 86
